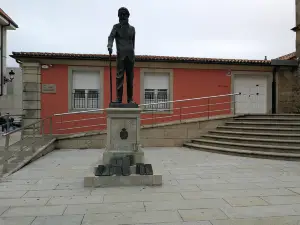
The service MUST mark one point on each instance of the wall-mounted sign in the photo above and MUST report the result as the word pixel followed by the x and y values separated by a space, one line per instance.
pixel 49 88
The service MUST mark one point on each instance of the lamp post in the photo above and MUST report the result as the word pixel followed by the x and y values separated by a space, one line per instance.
pixel 11 77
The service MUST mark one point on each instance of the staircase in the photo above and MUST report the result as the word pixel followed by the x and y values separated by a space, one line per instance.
pixel 20 152
pixel 276 136
pixel 23 145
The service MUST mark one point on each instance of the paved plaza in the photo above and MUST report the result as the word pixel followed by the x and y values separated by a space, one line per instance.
pixel 199 189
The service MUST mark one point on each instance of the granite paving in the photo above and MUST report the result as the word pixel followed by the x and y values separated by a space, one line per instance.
pixel 199 188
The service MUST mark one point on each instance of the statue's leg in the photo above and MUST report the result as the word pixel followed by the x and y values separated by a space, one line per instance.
pixel 129 79
pixel 120 79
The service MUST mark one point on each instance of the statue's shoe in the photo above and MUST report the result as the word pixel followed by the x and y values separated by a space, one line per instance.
pixel 117 101
pixel 131 102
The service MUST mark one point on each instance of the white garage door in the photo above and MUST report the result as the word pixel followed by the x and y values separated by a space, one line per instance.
pixel 253 98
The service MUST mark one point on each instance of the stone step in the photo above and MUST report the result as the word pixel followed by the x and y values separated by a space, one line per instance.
pixel 253 140
pixel 12 165
pixel 15 148
pixel 14 162
pixel 243 146
pixel 17 153
pixel 9 166
pixel 268 119
pixel 2 161
pixel 16 158
pixel 283 115
pixel 256 134
pixel 236 151
pixel 263 124
pixel 6 155
pixel 260 129
pixel 25 155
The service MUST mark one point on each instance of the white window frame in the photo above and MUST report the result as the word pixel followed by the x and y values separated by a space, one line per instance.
pixel 99 70
pixel 157 107
pixel 85 100
pixel 157 72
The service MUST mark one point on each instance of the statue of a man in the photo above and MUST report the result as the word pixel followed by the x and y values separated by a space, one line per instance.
pixel 124 34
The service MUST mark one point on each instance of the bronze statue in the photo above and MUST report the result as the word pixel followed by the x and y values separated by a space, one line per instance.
pixel 124 34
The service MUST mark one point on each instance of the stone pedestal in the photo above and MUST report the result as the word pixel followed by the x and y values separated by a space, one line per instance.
pixel 123 161
pixel 123 134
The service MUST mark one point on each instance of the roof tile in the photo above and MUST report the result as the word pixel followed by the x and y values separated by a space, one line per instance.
pixel 289 56
pixel 3 14
pixel 139 58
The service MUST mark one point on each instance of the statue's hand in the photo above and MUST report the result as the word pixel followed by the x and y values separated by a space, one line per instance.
pixel 110 51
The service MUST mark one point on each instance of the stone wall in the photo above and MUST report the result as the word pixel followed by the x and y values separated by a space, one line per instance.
pixel 172 135
pixel 31 92
pixel 288 92
pixel 298 31
pixel 288 96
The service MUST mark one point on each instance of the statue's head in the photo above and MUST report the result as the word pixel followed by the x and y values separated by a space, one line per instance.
pixel 123 14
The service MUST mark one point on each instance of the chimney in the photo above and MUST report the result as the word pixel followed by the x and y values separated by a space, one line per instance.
pixel 266 58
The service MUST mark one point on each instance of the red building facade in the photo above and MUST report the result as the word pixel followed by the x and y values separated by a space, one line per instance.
pixel 81 83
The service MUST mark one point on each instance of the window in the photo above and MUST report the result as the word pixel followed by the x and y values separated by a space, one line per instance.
pixel 156 88
pixel 86 90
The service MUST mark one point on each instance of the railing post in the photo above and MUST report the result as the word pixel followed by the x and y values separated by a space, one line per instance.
pixel 208 108
pixel 33 136
pixel 7 122
pixel 20 156
pixel 50 127
pixel 152 118
pixel 42 128
pixel 22 133
pixel 180 111
pixel 6 154
pixel 233 106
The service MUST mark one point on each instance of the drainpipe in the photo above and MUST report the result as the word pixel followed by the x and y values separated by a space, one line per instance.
pixel 1 55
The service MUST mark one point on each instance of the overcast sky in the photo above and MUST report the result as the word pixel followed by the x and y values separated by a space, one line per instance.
pixel 196 28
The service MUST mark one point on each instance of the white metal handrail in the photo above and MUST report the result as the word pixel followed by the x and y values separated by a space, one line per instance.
pixel 102 110
pixel 192 99
pixel 181 100
pixel 79 112
pixel 144 111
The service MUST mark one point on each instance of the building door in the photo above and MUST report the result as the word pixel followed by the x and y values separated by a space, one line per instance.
pixel 253 98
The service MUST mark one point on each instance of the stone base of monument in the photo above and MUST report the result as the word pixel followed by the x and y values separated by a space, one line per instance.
pixel 123 161
pixel 118 181
pixel 121 171
pixel 137 157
